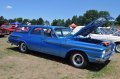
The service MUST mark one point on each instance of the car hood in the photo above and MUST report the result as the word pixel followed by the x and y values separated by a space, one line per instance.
pixel 93 26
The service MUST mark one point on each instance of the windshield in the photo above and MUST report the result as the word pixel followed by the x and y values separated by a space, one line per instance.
pixel 63 32
pixel 104 31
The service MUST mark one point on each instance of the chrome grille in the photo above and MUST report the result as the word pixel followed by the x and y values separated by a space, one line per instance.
pixel 108 50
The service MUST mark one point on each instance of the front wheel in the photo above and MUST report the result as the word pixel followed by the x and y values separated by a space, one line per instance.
pixel 78 60
pixel 117 48
pixel 23 48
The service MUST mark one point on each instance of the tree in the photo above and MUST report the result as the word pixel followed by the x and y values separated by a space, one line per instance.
pixel 61 22
pixel 6 21
pixel 1 18
pixel 54 22
pixel 68 22
pixel 75 19
pixel 118 20
pixel 81 20
pixel 40 21
pixel 47 23
pixel 25 21
pixel 104 13
pixel 11 20
pixel 19 20
pixel 33 22
pixel 90 15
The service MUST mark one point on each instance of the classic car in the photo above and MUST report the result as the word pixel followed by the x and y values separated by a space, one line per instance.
pixel 104 33
pixel 58 41
pixel 13 26
pixel 3 27
pixel 4 30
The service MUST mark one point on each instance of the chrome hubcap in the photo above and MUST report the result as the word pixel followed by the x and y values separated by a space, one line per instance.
pixel 23 47
pixel 118 47
pixel 77 59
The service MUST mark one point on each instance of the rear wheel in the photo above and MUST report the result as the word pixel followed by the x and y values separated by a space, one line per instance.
pixel 78 60
pixel 117 48
pixel 23 47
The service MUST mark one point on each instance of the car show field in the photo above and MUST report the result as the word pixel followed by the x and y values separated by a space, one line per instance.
pixel 34 65
pixel 59 39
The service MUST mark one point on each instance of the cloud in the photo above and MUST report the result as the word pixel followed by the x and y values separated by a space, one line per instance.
pixel 9 7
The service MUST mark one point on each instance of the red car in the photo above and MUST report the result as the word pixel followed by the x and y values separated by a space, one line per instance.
pixel 11 28
pixel 4 30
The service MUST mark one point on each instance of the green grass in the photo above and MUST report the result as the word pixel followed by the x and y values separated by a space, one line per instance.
pixel 103 72
pixel 7 52
pixel 7 66
pixel 112 69
pixel 11 77
pixel 4 51
pixel 65 77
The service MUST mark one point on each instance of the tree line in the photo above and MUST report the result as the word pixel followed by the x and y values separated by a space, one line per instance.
pixel 84 19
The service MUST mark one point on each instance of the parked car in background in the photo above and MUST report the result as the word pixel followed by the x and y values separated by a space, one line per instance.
pixel 3 27
pixel 13 25
pixel 115 31
pixel 4 30
pixel 104 33
pixel 11 28
pixel 58 41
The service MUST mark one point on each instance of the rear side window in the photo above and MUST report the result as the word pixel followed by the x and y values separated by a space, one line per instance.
pixel 37 31
pixel 22 29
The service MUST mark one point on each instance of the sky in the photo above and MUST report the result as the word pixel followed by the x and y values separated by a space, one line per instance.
pixel 55 9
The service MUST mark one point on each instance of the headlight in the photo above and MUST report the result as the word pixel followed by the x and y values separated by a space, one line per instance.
pixel 103 54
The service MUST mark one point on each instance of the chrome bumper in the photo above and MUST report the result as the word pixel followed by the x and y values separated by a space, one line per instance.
pixel 104 59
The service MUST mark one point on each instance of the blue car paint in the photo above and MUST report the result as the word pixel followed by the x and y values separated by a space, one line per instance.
pixel 60 46
pixel 57 46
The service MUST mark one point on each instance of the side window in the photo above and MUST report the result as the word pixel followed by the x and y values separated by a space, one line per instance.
pixel 36 31
pixel 22 29
pixel 58 32
pixel 47 32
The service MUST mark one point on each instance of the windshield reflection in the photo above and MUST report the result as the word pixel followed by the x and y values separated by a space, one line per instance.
pixel 63 32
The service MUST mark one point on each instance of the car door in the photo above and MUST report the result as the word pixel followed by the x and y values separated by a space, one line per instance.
pixel 35 39
pixel 51 44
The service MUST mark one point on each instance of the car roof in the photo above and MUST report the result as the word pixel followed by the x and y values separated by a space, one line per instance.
pixel 32 26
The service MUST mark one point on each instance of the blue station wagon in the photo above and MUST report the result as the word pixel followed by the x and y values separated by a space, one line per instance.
pixel 59 41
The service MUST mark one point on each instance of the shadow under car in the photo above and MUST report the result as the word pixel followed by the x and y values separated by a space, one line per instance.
pixel 91 66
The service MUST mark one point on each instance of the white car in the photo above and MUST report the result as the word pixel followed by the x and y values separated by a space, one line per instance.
pixel 103 33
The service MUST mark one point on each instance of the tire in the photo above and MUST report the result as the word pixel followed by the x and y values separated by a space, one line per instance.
pixel 23 47
pixel 79 60
pixel 117 48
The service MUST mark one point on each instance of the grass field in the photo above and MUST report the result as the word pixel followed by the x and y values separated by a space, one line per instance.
pixel 16 65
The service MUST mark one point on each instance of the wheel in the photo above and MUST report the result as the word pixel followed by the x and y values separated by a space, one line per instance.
pixel 23 48
pixel 78 60
pixel 117 48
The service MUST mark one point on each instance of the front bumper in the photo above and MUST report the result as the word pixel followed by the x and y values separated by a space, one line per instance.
pixel 102 60
pixel 105 57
